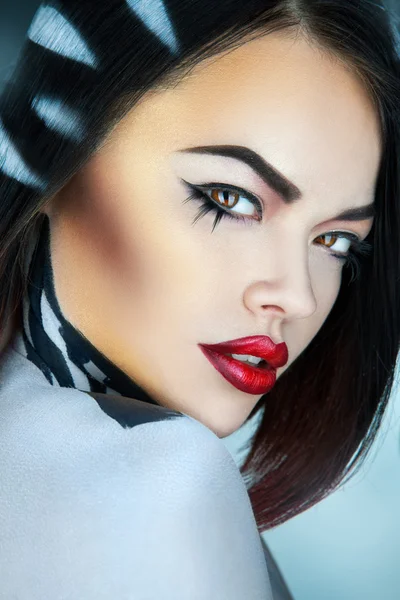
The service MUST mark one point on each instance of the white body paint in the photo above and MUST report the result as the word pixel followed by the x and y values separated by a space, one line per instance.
pixel 52 326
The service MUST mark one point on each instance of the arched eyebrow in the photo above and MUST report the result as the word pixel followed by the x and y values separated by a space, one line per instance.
pixel 286 189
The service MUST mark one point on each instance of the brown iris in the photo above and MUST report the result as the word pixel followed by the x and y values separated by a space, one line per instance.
pixel 332 241
pixel 225 200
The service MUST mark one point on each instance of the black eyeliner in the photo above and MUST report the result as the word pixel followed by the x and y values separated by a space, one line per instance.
pixel 196 189
pixel 357 249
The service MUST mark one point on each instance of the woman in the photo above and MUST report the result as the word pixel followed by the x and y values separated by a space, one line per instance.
pixel 130 131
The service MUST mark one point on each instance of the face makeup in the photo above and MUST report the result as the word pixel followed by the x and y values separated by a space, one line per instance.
pixel 164 286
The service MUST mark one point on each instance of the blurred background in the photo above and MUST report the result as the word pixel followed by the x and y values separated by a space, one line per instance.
pixel 348 546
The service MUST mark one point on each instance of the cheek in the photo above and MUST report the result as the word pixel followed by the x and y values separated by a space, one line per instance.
pixel 327 278
pixel 155 267
pixel 142 228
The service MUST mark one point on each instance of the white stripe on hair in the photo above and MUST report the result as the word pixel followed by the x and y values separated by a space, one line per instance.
pixel 59 117
pixel 52 31
pixel 12 163
pixel 154 16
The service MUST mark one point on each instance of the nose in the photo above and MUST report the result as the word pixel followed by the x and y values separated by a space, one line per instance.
pixel 288 296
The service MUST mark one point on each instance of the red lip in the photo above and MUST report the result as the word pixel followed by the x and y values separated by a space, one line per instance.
pixel 247 378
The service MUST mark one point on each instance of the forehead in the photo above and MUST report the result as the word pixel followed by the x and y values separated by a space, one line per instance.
pixel 293 103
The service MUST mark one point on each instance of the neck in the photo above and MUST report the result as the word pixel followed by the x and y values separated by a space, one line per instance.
pixel 65 356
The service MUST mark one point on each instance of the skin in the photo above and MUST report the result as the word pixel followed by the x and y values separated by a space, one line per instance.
pixel 125 252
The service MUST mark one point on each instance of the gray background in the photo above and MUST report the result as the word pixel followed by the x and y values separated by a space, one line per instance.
pixel 348 546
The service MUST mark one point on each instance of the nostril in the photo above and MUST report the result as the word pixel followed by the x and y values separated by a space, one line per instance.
pixel 274 307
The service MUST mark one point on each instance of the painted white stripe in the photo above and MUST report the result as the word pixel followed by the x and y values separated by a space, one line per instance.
pixel 154 16
pixel 52 31
pixel 59 117
pixel 25 317
pixel 94 371
pixel 12 163
pixel 20 344
pixel 99 376
pixel 51 326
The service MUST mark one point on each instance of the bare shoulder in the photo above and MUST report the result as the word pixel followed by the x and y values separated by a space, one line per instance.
pixel 104 510
pixel 159 438
pixel 67 435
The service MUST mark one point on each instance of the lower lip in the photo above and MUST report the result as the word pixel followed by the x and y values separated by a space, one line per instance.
pixel 248 379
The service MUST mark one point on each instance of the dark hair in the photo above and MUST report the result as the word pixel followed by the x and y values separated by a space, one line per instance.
pixel 320 419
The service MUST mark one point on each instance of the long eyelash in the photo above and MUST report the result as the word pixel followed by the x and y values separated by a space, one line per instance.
pixel 210 206
pixel 359 250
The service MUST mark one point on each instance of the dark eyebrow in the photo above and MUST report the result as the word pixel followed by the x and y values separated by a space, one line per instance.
pixel 357 214
pixel 287 190
pixel 282 186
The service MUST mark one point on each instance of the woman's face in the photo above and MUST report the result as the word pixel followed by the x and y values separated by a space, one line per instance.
pixel 145 285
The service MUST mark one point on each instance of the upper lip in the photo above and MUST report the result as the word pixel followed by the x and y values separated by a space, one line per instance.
pixel 261 346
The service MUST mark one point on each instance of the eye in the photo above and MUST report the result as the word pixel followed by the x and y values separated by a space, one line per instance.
pixel 358 251
pixel 232 200
pixel 341 242
pixel 225 201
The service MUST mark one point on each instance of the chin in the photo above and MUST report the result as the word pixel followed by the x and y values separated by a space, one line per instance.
pixel 222 428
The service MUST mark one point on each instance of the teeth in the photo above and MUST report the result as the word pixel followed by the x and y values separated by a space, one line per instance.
pixel 254 360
